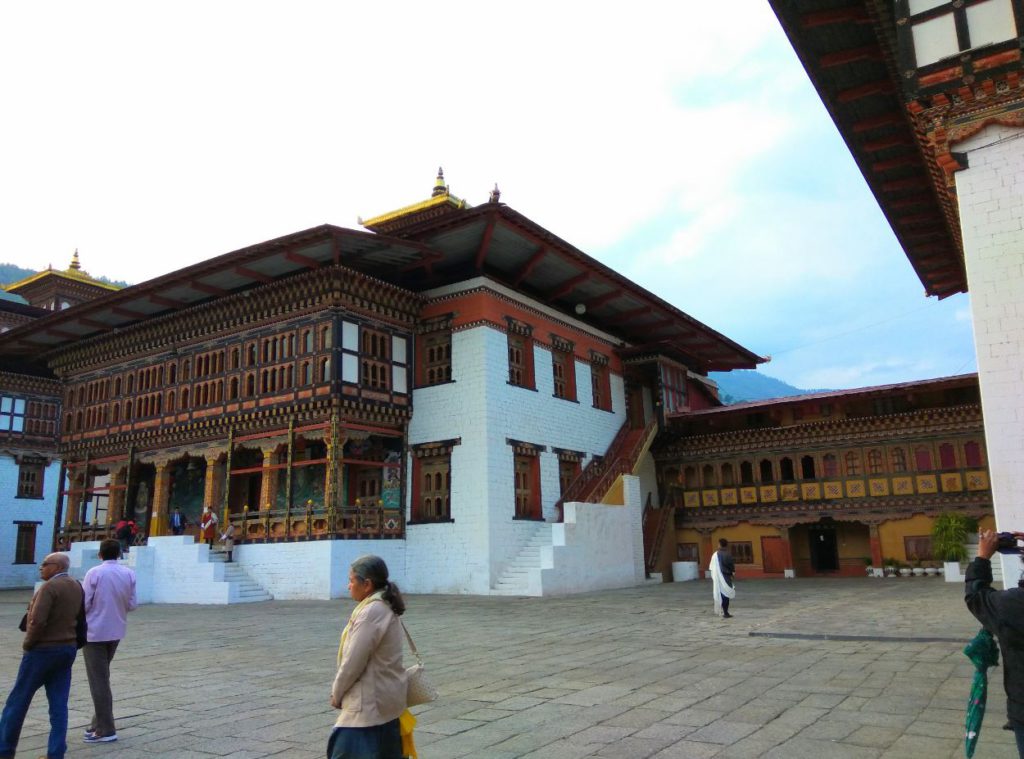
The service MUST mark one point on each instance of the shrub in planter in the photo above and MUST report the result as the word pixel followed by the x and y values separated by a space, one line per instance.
pixel 949 533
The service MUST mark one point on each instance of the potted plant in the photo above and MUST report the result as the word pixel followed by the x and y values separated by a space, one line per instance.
pixel 949 533
pixel 867 566
pixel 890 567
pixel 930 569
pixel 916 564
pixel 906 570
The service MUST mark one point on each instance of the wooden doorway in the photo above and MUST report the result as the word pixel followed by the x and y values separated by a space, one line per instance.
pixel 773 552
pixel 824 548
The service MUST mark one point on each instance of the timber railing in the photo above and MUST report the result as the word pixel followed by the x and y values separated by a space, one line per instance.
pixel 318 523
pixel 600 474
pixel 655 523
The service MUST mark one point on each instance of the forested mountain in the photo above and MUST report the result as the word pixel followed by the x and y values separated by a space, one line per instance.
pixel 751 385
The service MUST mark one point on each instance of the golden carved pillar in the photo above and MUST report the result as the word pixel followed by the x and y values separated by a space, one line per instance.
pixel 76 483
pixel 118 494
pixel 212 484
pixel 268 482
pixel 161 499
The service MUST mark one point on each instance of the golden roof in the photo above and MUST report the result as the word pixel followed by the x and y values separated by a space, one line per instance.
pixel 74 272
pixel 440 197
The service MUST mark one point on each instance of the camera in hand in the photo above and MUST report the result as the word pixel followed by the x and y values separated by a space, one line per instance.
pixel 1007 543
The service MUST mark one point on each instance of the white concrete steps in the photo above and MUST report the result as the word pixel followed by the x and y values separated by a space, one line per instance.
pixel 515 578
pixel 244 588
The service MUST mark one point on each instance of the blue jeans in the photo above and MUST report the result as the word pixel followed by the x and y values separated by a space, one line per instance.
pixel 48 668
pixel 377 742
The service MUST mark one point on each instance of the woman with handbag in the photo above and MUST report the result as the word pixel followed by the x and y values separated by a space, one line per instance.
pixel 370 685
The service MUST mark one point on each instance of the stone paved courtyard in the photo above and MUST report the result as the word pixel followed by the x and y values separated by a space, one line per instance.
pixel 642 673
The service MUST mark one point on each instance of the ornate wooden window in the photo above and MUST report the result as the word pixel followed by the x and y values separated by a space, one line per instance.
pixel 807 467
pixel 233 389
pixel 563 367
pixel 972 453
pixel 25 543
pixel 325 338
pixel 526 474
pixel 30 478
pixel 742 552
pixel 897 460
pixel 307 373
pixel 728 476
pixel 875 461
pixel 708 476
pixel 746 473
pixel 687 552
pixel 830 465
pixel 690 480
pixel 307 341
pixel 786 470
pixel 852 462
pixel 520 354
pixel 568 469
pixel 12 414
pixel 767 471
pixel 250 385
pixel 250 354
pixel 673 387
pixel 325 370
pixel 600 381
pixel 432 485
pixel 923 459
pixel 918 548
pixel 233 362
pixel 436 357
pixel 947 456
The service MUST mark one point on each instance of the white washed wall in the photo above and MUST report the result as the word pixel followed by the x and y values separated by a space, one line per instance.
pixel 990 194
pixel 13 510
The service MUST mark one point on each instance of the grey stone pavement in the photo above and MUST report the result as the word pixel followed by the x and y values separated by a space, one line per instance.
pixel 648 672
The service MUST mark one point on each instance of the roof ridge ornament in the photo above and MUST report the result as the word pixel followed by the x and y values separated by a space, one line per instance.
pixel 440 188
pixel 495 194
pixel 76 265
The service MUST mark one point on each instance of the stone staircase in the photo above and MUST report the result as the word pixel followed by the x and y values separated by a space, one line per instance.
pixel 245 589
pixel 515 578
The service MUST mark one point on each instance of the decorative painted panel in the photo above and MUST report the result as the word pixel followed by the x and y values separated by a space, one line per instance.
pixel 902 485
pixel 811 491
pixel 952 482
pixel 926 483
pixel 977 481
pixel 769 494
pixel 729 497
pixel 710 497
pixel 691 499
pixel 878 486
pixel 833 490
pixel 790 492
pixel 748 495
pixel 855 488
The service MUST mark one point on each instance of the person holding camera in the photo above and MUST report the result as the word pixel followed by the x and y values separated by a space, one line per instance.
pixel 1001 612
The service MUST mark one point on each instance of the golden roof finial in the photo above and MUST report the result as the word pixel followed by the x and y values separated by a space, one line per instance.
pixel 75 264
pixel 440 188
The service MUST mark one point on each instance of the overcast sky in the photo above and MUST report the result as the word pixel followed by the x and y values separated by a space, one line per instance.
pixel 680 143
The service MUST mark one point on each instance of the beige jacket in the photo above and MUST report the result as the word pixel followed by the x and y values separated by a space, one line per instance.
pixel 370 687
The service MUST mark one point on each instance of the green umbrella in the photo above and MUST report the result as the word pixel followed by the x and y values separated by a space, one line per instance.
pixel 983 653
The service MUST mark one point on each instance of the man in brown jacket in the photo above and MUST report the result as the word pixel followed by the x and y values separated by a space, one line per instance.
pixel 49 647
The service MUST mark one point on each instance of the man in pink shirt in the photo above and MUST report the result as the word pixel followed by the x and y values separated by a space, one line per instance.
pixel 109 596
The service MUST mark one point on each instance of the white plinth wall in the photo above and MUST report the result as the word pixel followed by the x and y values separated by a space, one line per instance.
pixel 990 193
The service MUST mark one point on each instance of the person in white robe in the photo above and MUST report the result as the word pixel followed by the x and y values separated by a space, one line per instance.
pixel 722 568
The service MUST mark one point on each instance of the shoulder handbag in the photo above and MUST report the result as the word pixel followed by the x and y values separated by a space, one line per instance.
pixel 419 688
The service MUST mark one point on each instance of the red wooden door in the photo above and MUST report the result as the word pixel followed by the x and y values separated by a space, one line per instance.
pixel 774 552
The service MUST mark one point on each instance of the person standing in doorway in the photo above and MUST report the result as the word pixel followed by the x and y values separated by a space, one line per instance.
pixel 109 596
pixel 208 526
pixel 49 654
pixel 178 522
pixel 722 569
pixel 227 538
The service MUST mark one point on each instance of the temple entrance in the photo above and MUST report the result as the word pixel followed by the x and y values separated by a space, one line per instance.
pixel 139 504
pixel 246 480
pixel 823 548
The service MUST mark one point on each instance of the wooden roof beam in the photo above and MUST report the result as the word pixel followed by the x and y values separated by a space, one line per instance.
pixel 252 274
pixel 127 312
pixel 878 87
pixel 910 183
pixel 568 286
pixel 160 300
pixel 851 14
pixel 600 300
pixel 851 55
pixel 202 287
pixel 910 159
pixel 298 258
pixel 875 122
pixel 62 334
pixel 627 316
pixel 530 265
pixel 910 201
pixel 892 141
pixel 93 323
pixel 426 261
pixel 485 244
